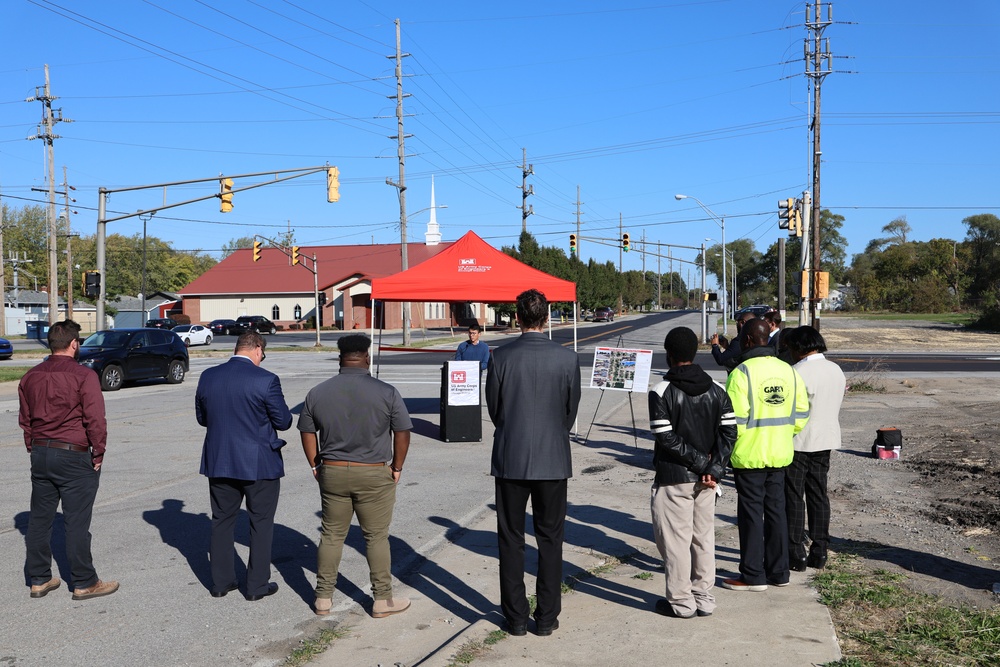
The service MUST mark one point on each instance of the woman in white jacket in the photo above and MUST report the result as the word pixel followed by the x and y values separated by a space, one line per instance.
pixel 806 476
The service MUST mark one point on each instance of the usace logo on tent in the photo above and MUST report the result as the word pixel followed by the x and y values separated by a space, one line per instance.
pixel 468 265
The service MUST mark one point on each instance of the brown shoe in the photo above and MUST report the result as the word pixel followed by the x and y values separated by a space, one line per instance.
pixel 323 606
pixel 100 589
pixel 383 608
pixel 42 590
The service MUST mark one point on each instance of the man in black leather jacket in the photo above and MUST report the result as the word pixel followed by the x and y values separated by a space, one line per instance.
pixel 693 422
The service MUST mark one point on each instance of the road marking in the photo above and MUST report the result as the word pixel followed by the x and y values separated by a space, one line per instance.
pixel 601 335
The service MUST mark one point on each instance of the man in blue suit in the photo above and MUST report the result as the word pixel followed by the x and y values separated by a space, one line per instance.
pixel 242 407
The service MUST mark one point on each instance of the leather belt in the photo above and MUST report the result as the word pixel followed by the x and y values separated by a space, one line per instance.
pixel 349 464
pixel 59 444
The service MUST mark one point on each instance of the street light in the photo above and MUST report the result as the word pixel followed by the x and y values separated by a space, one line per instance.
pixel 722 223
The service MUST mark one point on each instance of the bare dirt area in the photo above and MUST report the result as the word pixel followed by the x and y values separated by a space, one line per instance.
pixel 848 333
pixel 936 512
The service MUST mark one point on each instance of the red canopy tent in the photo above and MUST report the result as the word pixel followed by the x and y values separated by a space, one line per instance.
pixel 470 270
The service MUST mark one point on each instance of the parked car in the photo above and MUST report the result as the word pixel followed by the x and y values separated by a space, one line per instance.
pixel 194 334
pixel 6 349
pixel 604 314
pixel 256 323
pixel 757 310
pixel 223 327
pixel 161 323
pixel 121 355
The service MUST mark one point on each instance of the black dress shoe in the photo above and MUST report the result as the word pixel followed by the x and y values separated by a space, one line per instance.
pixel 665 609
pixel 221 594
pixel 546 630
pixel 817 562
pixel 517 629
pixel 797 564
pixel 272 588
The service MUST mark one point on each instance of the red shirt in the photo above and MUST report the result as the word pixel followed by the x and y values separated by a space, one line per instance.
pixel 62 400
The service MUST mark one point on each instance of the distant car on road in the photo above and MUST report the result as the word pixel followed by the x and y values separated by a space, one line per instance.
pixel 121 355
pixel 256 323
pixel 757 311
pixel 161 323
pixel 223 327
pixel 6 349
pixel 193 334
pixel 604 314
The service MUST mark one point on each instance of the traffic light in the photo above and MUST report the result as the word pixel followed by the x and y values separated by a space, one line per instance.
pixel 295 255
pixel 332 184
pixel 256 251
pixel 786 208
pixel 91 283
pixel 625 242
pixel 710 296
pixel 226 195
pixel 322 298
pixel 795 222
pixel 572 244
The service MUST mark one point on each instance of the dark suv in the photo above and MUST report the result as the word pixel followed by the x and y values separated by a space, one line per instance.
pixel 161 323
pixel 122 355
pixel 223 327
pixel 605 314
pixel 256 323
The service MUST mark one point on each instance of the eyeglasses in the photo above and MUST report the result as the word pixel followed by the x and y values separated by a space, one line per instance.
pixel 262 355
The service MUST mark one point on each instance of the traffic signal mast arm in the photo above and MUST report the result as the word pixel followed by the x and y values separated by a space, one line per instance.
pixel 293 173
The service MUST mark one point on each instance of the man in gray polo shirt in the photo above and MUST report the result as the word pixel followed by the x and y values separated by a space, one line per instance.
pixel 352 425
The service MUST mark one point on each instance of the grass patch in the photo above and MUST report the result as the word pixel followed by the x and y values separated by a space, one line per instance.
pixel 645 576
pixel 471 650
pixel 13 373
pixel 315 645
pixel 945 318
pixel 881 622
pixel 870 379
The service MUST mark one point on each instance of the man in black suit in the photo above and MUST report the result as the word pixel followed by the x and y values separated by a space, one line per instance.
pixel 532 393
pixel 242 407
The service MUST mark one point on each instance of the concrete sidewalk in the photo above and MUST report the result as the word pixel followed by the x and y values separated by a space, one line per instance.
pixel 608 617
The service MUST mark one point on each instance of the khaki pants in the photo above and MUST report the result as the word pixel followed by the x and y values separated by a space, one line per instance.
pixel 370 493
pixel 684 529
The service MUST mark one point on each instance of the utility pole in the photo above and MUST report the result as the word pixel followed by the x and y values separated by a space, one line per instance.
pixel 704 303
pixel 49 118
pixel 781 276
pixel 526 190
pixel 401 184
pixel 578 204
pixel 818 65
pixel 69 245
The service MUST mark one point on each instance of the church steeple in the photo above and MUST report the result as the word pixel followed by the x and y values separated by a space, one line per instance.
pixel 433 234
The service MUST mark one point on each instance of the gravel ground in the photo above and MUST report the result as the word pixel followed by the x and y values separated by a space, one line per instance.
pixel 935 513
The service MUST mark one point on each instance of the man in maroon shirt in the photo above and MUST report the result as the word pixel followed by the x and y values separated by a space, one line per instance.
pixel 65 431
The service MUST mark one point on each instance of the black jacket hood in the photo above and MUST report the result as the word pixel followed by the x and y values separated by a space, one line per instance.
pixel 690 379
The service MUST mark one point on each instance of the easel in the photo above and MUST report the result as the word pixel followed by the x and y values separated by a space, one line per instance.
pixel 635 433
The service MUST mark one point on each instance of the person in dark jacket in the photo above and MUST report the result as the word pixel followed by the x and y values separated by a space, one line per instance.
pixel 693 422
pixel 730 353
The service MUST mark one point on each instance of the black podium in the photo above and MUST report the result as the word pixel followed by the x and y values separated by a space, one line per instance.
pixel 461 405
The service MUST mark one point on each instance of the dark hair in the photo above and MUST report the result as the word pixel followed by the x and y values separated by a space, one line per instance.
pixel 805 339
pixel 755 330
pixel 772 317
pixel 532 309
pixel 681 345
pixel 250 340
pixel 353 344
pixel 61 334
pixel 475 326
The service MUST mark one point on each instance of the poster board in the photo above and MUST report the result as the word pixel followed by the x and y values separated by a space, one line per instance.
pixel 621 369
pixel 463 383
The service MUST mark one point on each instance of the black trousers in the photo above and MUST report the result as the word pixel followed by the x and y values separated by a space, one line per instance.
pixel 262 500
pixel 760 517
pixel 806 478
pixel 61 475
pixel 548 512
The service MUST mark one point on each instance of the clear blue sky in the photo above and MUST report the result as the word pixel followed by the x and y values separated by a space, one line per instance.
pixel 631 102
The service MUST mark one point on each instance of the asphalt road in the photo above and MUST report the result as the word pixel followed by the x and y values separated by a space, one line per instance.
pixel 151 521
